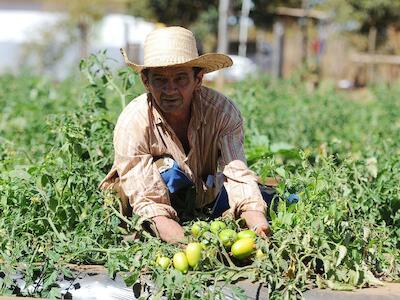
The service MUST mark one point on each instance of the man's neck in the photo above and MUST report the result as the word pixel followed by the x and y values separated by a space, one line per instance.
pixel 180 124
pixel 181 119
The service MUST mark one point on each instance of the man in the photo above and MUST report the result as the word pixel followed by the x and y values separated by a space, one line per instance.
pixel 171 142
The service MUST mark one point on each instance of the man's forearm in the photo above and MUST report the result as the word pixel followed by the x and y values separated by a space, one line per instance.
pixel 169 230
pixel 257 221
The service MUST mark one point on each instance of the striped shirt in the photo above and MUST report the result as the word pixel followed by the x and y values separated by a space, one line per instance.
pixel 215 137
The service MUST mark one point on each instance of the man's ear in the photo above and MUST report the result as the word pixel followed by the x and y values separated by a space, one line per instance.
pixel 199 79
pixel 145 80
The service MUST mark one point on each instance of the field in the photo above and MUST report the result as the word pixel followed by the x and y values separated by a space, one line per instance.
pixel 340 155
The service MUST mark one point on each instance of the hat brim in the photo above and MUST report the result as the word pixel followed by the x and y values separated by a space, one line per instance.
pixel 209 62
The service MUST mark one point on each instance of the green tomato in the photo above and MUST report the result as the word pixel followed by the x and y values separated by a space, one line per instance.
pixel 217 226
pixel 243 248
pixel 246 233
pixel 193 253
pixel 207 238
pixel 163 262
pixel 228 237
pixel 180 262
pixel 199 227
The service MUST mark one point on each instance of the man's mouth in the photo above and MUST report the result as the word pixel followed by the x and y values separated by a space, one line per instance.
pixel 170 99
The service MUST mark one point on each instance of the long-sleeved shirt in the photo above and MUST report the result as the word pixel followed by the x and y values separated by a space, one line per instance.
pixel 215 135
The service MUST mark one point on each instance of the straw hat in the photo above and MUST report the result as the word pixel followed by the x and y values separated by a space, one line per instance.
pixel 176 46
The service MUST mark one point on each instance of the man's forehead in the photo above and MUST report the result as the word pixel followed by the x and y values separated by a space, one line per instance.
pixel 168 71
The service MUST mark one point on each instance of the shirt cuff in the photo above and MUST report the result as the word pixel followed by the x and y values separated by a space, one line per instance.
pixel 156 210
pixel 252 205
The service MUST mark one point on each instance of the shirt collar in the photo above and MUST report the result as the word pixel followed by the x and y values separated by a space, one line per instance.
pixel 157 117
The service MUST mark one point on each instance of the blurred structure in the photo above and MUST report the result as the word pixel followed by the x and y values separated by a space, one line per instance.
pixel 36 36
pixel 242 68
pixel 304 17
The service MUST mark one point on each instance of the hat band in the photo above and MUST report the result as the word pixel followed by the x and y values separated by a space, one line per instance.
pixel 166 60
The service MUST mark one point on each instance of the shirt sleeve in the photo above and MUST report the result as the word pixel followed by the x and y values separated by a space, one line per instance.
pixel 140 178
pixel 240 182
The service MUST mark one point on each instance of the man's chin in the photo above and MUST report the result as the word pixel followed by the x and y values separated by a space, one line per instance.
pixel 171 106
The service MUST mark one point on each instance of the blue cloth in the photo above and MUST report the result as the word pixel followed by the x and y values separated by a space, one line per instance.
pixel 175 179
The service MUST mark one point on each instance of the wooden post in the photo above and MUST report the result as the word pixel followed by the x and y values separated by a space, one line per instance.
pixel 222 35
pixel 83 28
pixel 277 54
pixel 304 33
pixel 244 24
pixel 371 50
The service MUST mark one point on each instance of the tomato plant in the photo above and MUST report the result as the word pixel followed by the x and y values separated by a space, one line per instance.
pixel 56 146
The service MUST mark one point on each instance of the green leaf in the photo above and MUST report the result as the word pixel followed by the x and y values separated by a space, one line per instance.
pixel 132 278
pixel 342 253
pixel 54 293
pixel 371 279
pixel 281 172
pixel 20 174
pixel 372 166
pixel 337 286
pixel 239 293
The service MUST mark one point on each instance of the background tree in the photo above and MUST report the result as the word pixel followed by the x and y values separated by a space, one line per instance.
pixel 172 12
pixel 263 12
pixel 199 16
pixel 83 14
pixel 371 17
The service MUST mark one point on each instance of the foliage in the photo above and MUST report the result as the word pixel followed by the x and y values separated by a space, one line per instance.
pixel 340 156
pixel 170 12
pixel 367 13
pixel 263 11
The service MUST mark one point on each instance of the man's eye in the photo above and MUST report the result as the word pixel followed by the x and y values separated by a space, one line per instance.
pixel 159 81
pixel 181 78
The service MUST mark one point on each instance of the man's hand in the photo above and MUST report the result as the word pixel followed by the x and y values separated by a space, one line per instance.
pixel 170 231
pixel 256 219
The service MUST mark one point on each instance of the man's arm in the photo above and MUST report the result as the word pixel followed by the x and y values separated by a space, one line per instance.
pixel 148 195
pixel 245 199
pixel 140 180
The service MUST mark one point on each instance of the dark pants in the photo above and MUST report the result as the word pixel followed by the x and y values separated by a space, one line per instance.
pixel 221 203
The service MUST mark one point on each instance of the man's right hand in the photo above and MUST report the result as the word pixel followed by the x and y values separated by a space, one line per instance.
pixel 169 230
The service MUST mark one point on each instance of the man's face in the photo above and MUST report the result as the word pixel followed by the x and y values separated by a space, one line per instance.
pixel 172 88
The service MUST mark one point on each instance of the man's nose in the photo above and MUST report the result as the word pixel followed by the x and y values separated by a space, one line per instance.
pixel 170 86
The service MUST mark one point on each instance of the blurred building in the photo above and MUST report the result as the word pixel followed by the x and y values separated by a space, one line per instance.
pixel 33 35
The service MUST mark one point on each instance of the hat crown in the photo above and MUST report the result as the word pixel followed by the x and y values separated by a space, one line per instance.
pixel 171 45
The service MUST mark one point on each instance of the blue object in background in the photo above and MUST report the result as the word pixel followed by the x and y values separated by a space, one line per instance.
pixel 175 179
pixel 293 198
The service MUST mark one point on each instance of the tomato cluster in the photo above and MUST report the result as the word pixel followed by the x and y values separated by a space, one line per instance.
pixel 239 244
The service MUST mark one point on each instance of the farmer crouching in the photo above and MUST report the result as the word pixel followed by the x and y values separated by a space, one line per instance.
pixel 179 147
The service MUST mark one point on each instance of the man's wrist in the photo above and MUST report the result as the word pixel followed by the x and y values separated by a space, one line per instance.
pixel 254 219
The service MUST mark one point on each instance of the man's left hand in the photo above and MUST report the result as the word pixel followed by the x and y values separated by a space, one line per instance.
pixel 257 220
